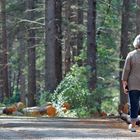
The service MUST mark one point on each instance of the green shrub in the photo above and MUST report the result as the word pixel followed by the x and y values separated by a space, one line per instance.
pixel 73 88
pixel 14 99
pixel 44 98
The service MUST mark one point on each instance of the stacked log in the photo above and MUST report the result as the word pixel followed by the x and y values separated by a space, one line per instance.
pixel 48 110
pixel 125 114
pixel 20 109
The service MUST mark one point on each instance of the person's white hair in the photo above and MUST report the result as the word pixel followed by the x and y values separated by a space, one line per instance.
pixel 136 42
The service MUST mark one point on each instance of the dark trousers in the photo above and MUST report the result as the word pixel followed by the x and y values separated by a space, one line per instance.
pixel 134 97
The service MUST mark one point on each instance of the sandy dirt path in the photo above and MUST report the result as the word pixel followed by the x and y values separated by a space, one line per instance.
pixel 27 128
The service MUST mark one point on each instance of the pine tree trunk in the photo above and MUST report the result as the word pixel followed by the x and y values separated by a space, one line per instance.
pixel 31 56
pixel 5 51
pixel 58 34
pixel 80 33
pixel 73 33
pixel 91 44
pixel 124 45
pixel 1 57
pixel 53 58
pixel 67 40
pixel 11 39
pixel 138 18
pixel 51 79
pixel 22 45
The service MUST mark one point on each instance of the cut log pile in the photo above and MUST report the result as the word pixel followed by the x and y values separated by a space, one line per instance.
pixel 125 114
pixel 48 110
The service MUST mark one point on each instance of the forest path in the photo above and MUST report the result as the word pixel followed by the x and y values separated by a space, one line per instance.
pixel 20 128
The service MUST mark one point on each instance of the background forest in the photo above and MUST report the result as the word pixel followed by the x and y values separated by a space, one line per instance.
pixel 66 51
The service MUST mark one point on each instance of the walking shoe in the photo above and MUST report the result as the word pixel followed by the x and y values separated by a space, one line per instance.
pixel 132 129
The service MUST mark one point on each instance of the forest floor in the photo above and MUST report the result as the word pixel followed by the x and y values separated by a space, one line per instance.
pixel 20 128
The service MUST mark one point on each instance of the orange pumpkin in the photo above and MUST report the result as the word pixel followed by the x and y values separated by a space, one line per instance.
pixel 66 105
pixel 51 111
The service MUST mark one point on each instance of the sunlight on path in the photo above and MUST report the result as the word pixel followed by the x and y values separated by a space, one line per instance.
pixel 21 128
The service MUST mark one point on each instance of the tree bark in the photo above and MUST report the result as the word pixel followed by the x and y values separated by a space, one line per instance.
pixel 124 45
pixel 53 57
pixel 22 86
pixel 138 17
pixel 1 57
pixel 91 44
pixel 58 34
pixel 67 40
pixel 51 79
pixel 31 56
pixel 73 33
pixel 80 33
pixel 4 51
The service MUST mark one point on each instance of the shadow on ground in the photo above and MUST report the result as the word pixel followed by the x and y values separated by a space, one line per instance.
pixel 64 128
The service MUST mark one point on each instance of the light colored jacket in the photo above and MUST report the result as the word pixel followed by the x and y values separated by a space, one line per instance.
pixel 131 70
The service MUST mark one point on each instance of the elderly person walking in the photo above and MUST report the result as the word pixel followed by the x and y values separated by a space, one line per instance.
pixel 131 81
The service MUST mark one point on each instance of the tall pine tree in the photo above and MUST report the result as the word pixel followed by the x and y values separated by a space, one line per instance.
pixel 124 45
pixel 4 70
pixel 31 55
pixel 91 44
pixel 53 55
